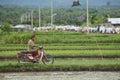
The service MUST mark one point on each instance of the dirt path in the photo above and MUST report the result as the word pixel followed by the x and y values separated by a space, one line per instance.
pixel 61 76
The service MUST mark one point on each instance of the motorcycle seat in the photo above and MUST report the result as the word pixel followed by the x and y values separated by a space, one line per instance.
pixel 25 52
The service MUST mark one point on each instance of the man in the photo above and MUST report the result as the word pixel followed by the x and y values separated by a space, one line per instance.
pixel 33 48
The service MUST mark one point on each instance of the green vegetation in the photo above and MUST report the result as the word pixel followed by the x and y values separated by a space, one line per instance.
pixel 73 51
pixel 6 28
pixel 66 16
pixel 64 65
pixel 16 38
pixel 61 37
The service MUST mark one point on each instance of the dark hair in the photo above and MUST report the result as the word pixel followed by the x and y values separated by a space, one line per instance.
pixel 32 36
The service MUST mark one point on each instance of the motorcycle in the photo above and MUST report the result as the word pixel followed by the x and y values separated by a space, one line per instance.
pixel 27 57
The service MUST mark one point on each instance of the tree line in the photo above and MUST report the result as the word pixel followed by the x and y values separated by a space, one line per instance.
pixel 64 16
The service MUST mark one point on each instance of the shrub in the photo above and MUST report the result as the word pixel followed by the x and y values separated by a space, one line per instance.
pixel 17 38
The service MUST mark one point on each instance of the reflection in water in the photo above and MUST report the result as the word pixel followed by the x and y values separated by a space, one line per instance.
pixel 61 76
pixel 2 77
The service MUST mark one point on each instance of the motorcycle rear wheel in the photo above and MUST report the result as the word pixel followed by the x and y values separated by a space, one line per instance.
pixel 22 59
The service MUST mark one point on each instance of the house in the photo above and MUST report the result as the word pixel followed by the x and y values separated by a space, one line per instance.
pixel 111 26
pixel 22 27
pixel 114 21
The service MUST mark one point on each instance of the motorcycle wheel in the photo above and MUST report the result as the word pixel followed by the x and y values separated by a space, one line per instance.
pixel 22 59
pixel 50 59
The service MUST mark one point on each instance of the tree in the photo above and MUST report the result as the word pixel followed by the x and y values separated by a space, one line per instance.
pixel 6 28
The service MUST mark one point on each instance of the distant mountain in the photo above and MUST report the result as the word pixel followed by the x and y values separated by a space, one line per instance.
pixel 59 3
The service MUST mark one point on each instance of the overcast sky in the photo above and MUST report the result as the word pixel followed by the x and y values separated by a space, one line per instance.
pixel 58 2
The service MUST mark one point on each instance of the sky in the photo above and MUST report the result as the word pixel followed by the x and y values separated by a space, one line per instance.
pixel 58 3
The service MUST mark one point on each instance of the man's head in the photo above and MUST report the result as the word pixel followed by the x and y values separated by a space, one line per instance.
pixel 32 37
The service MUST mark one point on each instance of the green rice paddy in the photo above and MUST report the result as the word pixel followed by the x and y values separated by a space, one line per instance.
pixel 72 51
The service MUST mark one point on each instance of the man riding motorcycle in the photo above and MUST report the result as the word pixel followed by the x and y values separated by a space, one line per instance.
pixel 32 48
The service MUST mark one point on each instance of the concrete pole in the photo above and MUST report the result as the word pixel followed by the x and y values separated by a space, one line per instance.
pixel 87 15
pixel 39 17
pixel 21 18
pixel 32 19
pixel 51 13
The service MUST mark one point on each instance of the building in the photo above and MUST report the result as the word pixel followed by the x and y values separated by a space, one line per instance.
pixel 114 21
pixel 22 27
pixel 112 26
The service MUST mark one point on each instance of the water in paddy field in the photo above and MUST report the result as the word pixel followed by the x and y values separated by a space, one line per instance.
pixel 61 76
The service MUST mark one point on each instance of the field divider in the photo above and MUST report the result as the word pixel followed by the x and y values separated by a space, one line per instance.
pixel 73 57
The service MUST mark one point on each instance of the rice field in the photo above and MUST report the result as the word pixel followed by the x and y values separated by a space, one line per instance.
pixel 67 50
pixel 69 64
pixel 72 50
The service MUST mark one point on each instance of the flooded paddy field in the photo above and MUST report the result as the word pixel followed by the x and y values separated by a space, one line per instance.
pixel 83 75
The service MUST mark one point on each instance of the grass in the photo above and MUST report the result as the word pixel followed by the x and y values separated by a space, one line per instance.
pixel 70 53
pixel 64 44
pixel 65 47
pixel 71 61
pixel 61 37
pixel 64 65
pixel 87 62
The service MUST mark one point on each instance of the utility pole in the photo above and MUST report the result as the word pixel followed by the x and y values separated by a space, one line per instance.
pixel 39 17
pixel 21 18
pixel 87 15
pixel 32 19
pixel 29 16
pixel 51 13
pixel 26 16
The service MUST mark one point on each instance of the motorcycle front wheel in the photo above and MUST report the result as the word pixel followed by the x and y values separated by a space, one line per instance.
pixel 49 61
